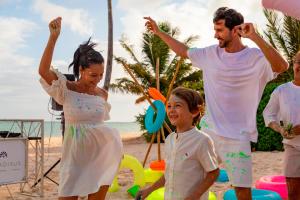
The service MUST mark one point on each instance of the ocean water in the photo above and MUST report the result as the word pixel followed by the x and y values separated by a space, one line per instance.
pixel 53 128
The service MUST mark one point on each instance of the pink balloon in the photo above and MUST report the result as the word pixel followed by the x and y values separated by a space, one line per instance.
pixel 288 7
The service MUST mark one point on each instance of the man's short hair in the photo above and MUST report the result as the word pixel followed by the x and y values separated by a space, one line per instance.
pixel 232 17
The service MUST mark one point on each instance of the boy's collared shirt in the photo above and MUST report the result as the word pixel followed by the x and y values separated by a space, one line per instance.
pixel 189 157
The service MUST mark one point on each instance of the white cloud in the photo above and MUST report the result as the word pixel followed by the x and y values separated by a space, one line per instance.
pixel 14 33
pixel 193 17
pixel 17 78
pixel 134 5
pixel 12 41
pixel 77 20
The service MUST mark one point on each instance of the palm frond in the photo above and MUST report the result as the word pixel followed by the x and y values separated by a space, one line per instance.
pixel 129 48
pixel 274 31
pixel 125 85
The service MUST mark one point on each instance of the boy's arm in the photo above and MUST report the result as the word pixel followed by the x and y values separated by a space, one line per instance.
pixel 142 194
pixel 204 185
pixel 158 184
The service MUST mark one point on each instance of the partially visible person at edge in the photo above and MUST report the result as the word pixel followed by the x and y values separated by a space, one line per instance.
pixel 92 151
pixel 234 79
pixel 284 106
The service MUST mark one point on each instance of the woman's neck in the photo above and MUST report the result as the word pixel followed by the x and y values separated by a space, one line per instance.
pixel 83 87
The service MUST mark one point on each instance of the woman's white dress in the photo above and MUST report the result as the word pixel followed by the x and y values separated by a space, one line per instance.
pixel 91 151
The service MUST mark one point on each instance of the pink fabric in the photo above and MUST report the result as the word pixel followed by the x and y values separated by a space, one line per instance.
pixel 273 183
pixel 288 7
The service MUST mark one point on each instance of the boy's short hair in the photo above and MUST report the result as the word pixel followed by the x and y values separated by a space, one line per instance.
pixel 192 98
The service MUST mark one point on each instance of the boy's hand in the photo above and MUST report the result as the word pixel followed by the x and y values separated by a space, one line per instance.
pixel 142 194
pixel 55 27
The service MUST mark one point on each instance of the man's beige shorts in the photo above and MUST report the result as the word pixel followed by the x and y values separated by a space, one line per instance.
pixel 235 155
pixel 291 162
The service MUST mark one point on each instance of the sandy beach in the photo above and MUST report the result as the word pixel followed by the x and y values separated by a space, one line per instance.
pixel 264 163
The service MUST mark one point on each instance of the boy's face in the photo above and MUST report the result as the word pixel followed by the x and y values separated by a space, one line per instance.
pixel 178 112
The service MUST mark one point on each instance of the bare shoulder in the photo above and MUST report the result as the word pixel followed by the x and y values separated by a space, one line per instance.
pixel 71 85
pixel 101 92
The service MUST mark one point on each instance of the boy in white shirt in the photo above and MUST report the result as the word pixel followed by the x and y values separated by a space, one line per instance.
pixel 234 79
pixel 284 105
pixel 191 161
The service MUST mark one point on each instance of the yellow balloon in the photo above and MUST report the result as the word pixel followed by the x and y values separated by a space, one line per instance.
pixel 130 162
pixel 151 175
pixel 159 195
pixel 212 196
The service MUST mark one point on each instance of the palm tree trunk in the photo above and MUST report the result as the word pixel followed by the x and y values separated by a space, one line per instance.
pixel 109 46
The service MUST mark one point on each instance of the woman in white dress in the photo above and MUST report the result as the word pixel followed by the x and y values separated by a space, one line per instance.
pixel 91 151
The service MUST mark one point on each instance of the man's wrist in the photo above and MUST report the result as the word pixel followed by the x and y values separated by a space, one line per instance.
pixel 255 38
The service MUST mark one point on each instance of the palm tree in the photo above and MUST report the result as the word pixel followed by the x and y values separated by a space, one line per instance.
pixel 144 69
pixel 152 48
pixel 109 46
pixel 283 33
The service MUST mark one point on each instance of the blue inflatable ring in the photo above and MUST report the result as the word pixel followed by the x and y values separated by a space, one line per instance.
pixel 152 125
pixel 223 177
pixel 257 194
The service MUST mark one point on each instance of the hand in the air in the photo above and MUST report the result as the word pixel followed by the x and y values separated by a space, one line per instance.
pixel 55 27
pixel 151 25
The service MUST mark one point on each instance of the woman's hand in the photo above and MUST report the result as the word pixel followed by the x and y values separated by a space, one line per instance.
pixel 55 27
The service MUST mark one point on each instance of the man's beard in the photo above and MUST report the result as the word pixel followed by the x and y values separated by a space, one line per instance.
pixel 223 44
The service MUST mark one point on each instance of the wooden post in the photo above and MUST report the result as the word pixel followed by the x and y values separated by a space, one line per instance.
pixel 149 148
pixel 173 79
pixel 157 74
pixel 158 146
pixel 163 133
pixel 158 88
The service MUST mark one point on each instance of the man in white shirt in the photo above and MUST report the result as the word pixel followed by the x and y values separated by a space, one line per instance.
pixel 284 105
pixel 234 78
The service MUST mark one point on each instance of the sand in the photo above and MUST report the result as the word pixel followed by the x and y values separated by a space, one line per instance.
pixel 264 163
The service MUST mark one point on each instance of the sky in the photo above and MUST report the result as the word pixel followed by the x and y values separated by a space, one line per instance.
pixel 24 34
